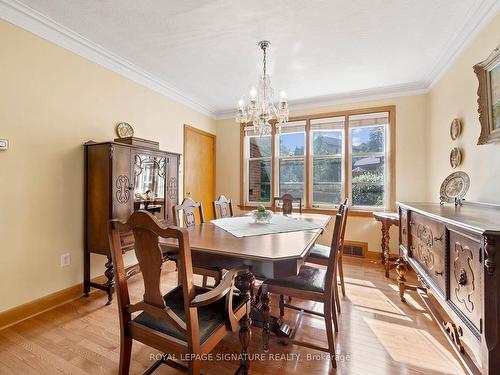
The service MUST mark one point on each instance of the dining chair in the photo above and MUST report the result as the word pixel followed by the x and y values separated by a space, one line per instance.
pixel 188 320
pixel 320 254
pixel 223 207
pixel 188 208
pixel 287 203
pixel 312 284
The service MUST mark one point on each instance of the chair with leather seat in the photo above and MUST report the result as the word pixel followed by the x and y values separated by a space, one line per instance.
pixel 312 284
pixel 186 320
pixel 223 207
pixel 320 254
pixel 190 209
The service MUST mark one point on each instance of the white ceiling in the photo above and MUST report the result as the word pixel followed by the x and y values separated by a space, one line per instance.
pixel 206 51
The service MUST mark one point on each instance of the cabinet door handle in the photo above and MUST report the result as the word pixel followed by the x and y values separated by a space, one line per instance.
pixel 440 273
pixel 462 277
pixel 438 238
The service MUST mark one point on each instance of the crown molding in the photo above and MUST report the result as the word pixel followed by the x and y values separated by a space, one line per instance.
pixel 473 24
pixel 37 23
pixel 379 93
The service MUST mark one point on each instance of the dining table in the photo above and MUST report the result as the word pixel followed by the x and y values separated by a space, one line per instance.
pixel 273 255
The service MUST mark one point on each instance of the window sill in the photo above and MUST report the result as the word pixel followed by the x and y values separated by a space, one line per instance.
pixel 324 211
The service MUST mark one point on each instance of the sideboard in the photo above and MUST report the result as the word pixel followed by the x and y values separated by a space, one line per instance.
pixel 453 251
pixel 121 178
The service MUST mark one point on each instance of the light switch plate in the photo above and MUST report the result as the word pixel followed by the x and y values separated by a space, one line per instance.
pixel 4 144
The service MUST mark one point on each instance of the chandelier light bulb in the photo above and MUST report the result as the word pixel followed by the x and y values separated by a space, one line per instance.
pixel 253 93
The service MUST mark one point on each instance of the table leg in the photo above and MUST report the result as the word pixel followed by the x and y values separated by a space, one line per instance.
pixel 245 284
pixel 266 311
pixel 385 249
pixel 382 243
pixel 110 283
pixel 401 268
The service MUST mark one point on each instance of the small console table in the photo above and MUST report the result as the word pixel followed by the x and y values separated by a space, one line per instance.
pixel 387 219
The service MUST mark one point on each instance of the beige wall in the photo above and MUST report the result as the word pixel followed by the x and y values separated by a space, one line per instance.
pixel 410 161
pixel 51 102
pixel 455 95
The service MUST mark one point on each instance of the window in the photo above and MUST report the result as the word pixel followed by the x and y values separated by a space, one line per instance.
pixel 327 139
pixel 323 158
pixel 258 166
pixel 291 159
pixel 368 155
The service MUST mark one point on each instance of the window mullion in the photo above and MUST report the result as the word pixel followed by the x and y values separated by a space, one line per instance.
pixel 308 167
pixel 346 153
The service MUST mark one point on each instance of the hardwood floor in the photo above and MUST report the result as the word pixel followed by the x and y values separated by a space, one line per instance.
pixel 378 335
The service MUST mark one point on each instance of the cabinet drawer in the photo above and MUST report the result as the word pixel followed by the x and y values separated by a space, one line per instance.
pixel 465 277
pixel 428 248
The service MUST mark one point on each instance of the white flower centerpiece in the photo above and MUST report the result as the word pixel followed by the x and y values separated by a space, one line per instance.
pixel 261 215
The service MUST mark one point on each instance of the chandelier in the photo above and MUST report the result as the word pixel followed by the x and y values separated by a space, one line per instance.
pixel 261 111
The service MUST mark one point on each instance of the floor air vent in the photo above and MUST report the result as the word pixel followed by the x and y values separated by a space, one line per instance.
pixel 355 249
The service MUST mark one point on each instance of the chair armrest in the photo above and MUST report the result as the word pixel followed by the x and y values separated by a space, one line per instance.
pixel 220 291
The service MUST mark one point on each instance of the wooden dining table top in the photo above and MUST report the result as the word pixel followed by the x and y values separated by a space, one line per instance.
pixel 208 238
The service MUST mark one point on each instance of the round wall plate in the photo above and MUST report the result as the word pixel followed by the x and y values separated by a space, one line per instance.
pixel 455 129
pixel 455 157
pixel 124 129
pixel 454 187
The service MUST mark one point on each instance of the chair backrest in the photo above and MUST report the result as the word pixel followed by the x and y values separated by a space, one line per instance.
pixel 223 207
pixel 188 207
pixel 147 230
pixel 335 248
pixel 343 209
pixel 287 203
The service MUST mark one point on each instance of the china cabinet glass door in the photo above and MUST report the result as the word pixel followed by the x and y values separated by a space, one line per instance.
pixel 149 186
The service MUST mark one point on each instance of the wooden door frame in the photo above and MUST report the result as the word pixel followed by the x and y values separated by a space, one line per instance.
pixel 202 132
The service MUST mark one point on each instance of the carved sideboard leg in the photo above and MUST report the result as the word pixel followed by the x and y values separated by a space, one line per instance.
pixel 110 284
pixel 245 284
pixel 401 269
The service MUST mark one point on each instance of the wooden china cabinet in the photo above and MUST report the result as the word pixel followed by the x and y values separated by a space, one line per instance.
pixel 120 177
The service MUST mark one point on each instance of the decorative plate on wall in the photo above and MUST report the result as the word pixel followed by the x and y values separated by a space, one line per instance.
pixel 455 129
pixel 455 157
pixel 454 187
pixel 124 129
